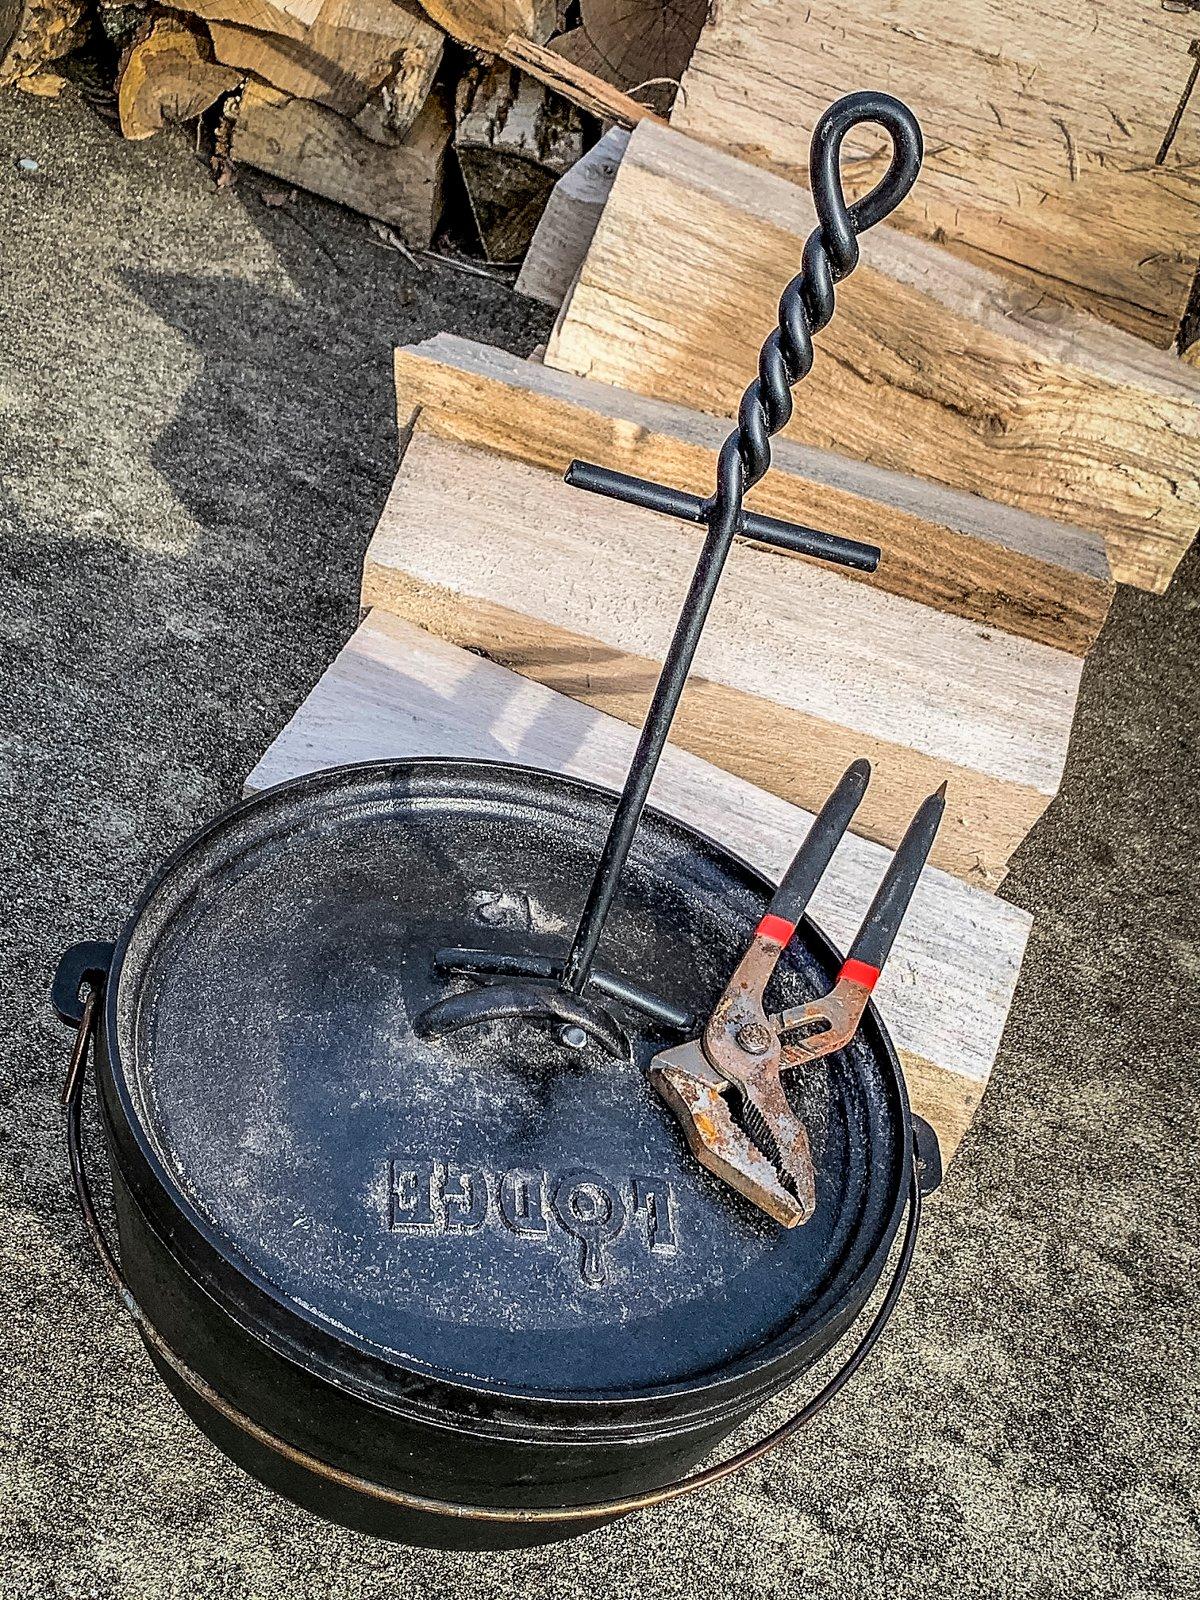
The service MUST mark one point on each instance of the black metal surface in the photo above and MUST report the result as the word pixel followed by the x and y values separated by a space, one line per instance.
pixel 809 864
pixel 263 1005
pixel 84 962
pixel 875 938
pixel 499 963
pixel 373 1506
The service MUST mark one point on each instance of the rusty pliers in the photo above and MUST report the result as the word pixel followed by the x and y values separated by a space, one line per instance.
pixel 726 1087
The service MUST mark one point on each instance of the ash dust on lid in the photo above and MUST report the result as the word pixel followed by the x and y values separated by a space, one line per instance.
pixel 492 1206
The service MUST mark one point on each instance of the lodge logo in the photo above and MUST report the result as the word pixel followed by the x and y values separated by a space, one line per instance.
pixel 575 1206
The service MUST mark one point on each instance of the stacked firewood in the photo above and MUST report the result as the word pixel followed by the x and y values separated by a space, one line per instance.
pixel 384 105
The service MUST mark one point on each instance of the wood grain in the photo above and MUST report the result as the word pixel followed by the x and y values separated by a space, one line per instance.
pixel 396 691
pixel 167 76
pixel 799 672
pixel 931 366
pixel 961 554
pixel 1042 124
pixel 575 84
pixel 486 24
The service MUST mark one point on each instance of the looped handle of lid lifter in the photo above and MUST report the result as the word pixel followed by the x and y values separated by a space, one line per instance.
pixel 786 358
pixel 597 1512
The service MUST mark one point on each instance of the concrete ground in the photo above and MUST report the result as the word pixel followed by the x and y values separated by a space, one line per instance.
pixel 197 438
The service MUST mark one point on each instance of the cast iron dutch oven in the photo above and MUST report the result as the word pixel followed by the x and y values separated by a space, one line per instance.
pixel 473 1290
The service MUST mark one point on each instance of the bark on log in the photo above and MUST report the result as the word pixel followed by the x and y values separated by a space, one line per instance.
pixel 35 32
pixel 514 141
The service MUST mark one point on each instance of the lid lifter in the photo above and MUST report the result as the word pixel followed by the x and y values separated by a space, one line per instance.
pixel 526 988
pixel 725 1087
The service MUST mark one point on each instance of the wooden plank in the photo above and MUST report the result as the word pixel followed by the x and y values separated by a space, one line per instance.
pixel 931 366
pixel 309 145
pixel 799 672
pixel 395 691
pixel 1043 127
pixel 954 551
pixel 571 217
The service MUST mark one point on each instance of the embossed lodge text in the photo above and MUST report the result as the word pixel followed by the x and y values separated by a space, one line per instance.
pixel 580 1207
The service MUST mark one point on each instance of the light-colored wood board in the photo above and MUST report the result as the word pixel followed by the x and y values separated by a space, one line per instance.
pixel 309 145
pixel 572 214
pixel 798 673
pixel 398 692
pixel 992 564
pixel 931 366
pixel 353 48
pixel 1043 124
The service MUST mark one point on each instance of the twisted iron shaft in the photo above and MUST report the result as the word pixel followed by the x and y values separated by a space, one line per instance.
pixel 786 357
pixel 807 304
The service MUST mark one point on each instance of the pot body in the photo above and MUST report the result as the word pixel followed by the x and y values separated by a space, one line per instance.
pixel 325 1404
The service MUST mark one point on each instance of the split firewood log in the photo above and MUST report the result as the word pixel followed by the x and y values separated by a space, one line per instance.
pixel 34 33
pixel 167 75
pixel 513 140
pixel 290 18
pixel 300 142
pixel 395 105
pixel 351 50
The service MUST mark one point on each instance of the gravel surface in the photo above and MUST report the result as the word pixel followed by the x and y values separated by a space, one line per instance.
pixel 196 438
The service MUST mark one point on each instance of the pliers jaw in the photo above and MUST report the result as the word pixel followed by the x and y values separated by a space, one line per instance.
pixel 698 1095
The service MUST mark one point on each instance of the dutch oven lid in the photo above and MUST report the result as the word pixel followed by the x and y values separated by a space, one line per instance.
pixel 492 1208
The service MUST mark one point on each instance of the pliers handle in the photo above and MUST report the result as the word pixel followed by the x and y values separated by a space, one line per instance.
pixel 830 1023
